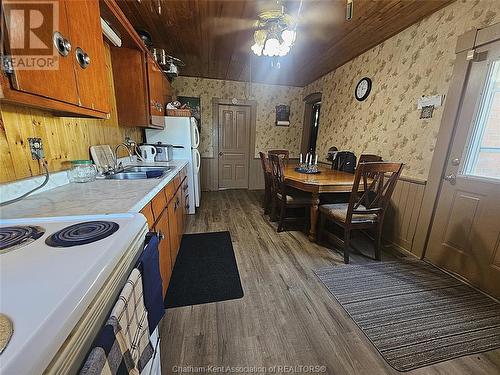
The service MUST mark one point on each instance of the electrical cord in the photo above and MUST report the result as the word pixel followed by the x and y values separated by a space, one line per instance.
pixel 46 170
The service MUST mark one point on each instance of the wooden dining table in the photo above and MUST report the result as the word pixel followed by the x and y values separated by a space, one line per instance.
pixel 327 181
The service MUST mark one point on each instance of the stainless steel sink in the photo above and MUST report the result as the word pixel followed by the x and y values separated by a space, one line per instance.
pixel 135 168
pixel 137 172
pixel 127 176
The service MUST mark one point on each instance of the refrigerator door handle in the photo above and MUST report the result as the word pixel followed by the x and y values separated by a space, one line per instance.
pixel 198 160
pixel 196 136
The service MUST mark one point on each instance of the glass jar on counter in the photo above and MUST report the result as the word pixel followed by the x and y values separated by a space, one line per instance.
pixel 82 171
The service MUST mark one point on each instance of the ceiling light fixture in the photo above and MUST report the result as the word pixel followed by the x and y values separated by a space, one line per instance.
pixel 276 33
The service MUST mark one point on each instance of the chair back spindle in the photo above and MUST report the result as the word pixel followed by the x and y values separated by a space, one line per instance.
pixel 277 173
pixel 264 163
pixel 284 154
pixel 378 180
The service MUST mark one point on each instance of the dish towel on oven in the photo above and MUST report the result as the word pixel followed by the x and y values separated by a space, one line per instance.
pixel 123 345
pixel 149 265
pixel 111 354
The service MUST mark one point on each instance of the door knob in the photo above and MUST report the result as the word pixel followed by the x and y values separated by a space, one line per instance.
pixel 221 153
pixel 451 178
pixel 455 162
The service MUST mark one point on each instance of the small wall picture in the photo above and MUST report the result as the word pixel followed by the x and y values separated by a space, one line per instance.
pixel 282 115
pixel 427 111
pixel 194 104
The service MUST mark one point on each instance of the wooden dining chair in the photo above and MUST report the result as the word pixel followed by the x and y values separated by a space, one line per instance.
pixel 266 169
pixel 283 196
pixel 284 154
pixel 371 192
pixel 369 158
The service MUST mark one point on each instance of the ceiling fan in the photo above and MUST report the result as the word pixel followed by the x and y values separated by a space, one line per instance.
pixel 275 32
pixel 308 19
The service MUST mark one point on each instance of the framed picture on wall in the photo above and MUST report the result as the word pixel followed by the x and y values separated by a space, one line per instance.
pixel 194 104
pixel 282 115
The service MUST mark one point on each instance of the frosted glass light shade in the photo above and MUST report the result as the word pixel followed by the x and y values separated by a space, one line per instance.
pixel 288 37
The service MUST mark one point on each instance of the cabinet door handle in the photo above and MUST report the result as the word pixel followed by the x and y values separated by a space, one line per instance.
pixel 62 44
pixel 82 57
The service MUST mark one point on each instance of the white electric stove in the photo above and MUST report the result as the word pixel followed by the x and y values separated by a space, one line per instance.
pixel 51 269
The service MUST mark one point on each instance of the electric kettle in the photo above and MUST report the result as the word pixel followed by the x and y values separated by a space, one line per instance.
pixel 148 153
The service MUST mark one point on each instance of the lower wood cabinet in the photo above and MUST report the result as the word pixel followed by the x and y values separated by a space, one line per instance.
pixel 166 215
pixel 174 226
pixel 166 264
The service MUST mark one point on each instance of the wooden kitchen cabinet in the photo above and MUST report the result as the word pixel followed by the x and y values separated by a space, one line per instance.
pixel 158 204
pixel 174 227
pixel 166 215
pixel 85 31
pixel 180 215
pixel 141 88
pixel 129 76
pixel 164 249
pixel 156 88
pixel 147 211
pixel 69 88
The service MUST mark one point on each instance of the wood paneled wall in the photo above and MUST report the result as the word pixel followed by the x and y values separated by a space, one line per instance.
pixel 402 216
pixel 63 138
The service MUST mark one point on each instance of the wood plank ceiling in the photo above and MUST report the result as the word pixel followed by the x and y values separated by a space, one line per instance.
pixel 213 37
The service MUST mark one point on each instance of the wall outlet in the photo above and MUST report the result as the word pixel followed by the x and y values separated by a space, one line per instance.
pixel 36 148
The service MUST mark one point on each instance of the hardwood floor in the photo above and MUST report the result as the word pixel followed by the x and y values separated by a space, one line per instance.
pixel 287 317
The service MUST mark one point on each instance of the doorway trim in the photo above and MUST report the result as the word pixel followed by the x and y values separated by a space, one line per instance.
pixel 214 170
pixel 465 43
pixel 309 100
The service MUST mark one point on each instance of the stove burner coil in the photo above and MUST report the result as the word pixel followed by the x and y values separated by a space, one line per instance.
pixel 18 236
pixel 82 233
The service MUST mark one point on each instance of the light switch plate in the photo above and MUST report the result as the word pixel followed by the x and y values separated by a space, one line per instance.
pixel 426 101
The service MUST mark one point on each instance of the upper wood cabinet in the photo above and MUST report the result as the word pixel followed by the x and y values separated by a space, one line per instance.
pixel 156 85
pixel 84 23
pixel 141 89
pixel 78 84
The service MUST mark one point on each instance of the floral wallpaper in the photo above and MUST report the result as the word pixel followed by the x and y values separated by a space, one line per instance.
pixel 417 61
pixel 268 136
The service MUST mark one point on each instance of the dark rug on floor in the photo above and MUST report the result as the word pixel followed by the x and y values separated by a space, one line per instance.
pixel 205 271
pixel 413 313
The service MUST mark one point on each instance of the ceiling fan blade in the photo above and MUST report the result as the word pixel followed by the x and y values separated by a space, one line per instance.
pixel 227 25
pixel 324 13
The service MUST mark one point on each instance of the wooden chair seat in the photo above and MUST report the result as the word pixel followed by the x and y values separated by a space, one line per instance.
pixel 338 212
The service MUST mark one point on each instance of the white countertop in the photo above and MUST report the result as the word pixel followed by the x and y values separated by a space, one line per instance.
pixel 93 198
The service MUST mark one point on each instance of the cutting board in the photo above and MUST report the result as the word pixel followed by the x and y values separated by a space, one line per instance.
pixel 103 157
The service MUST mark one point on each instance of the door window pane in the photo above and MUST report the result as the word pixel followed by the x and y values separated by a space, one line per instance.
pixel 484 152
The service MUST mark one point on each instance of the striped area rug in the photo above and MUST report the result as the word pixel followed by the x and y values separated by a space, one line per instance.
pixel 413 313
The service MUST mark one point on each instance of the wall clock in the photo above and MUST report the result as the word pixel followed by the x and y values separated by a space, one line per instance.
pixel 363 89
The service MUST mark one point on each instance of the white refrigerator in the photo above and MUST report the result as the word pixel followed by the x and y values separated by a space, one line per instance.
pixel 182 132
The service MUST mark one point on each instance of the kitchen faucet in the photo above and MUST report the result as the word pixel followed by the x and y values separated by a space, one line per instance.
pixel 127 146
